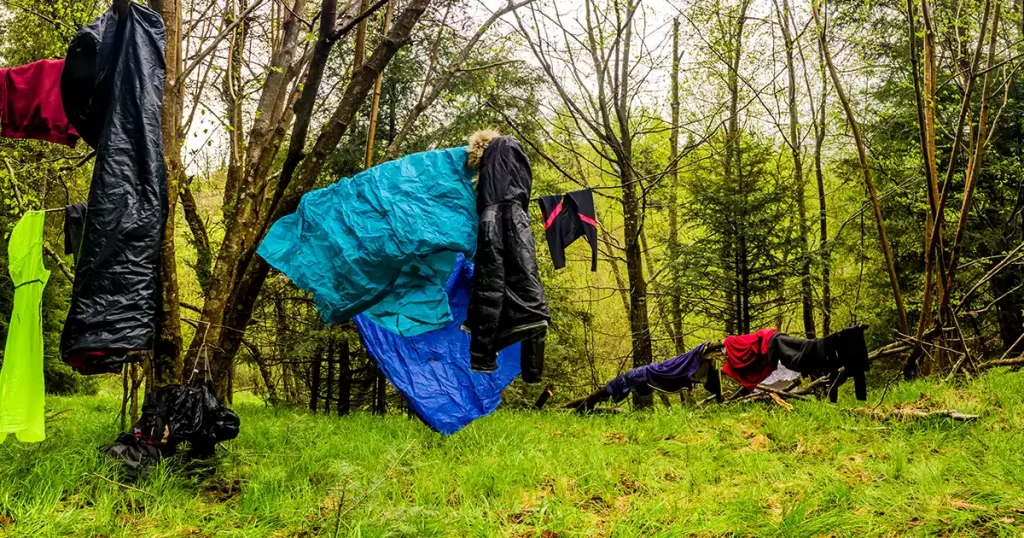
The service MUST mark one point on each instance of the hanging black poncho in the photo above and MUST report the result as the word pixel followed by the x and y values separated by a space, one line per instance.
pixel 112 88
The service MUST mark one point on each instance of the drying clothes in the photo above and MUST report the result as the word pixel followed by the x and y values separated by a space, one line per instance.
pixel 781 374
pixel 825 356
pixel 566 218
pixel 532 358
pixel 74 229
pixel 117 282
pixel 507 303
pixel 383 242
pixel 173 415
pixel 432 370
pixel 31 106
pixel 672 375
pixel 22 390
pixel 747 358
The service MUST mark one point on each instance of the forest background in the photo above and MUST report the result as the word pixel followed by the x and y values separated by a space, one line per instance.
pixel 805 166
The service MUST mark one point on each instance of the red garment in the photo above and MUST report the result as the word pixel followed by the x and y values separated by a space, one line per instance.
pixel 31 106
pixel 747 358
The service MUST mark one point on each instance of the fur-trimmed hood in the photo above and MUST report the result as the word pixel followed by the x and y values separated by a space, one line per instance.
pixel 478 142
pixel 505 174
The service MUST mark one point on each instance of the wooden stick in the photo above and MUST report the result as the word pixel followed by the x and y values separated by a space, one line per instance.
pixel 778 399
pixel 916 413
pixel 125 486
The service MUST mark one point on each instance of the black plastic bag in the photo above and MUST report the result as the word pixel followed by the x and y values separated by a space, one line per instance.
pixel 137 457
pixel 173 415
pixel 113 86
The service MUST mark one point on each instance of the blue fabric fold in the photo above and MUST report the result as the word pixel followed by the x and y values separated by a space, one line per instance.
pixel 432 369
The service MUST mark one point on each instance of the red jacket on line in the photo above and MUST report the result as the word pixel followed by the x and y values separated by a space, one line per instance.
pixel 747 358
pixel 31 106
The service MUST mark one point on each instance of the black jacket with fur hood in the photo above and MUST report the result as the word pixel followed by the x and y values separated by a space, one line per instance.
pixel 507 304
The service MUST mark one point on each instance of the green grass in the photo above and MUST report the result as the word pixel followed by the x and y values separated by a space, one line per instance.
pixel 751 469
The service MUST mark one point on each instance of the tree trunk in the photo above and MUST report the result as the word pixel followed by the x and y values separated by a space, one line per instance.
pixel 926 122
pixel 973 165
pixel 371 133
pixel 806 293
pixel 314 381
pixel 380 400
pixel 166 362
pixel 330 378
pixel 733 246
pixel 675 302
pixel 826 261
pixel 344 379
pixel 866 169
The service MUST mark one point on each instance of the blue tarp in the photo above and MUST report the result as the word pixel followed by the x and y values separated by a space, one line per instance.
pixel 432 370
pixel 383 242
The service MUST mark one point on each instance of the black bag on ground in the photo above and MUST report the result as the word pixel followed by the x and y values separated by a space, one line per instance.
pixel 173 415
pixel 113 83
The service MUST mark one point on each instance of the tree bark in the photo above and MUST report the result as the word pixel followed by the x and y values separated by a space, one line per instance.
pixel 166 362
pixel 734 247
pixel 200 238
pixel 238 233
pixel 933 247
pixel 866 169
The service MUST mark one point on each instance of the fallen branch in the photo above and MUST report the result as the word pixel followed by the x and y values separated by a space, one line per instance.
pixel 764 390
pixel 915 413
pixel 1003 362
pixel 778 399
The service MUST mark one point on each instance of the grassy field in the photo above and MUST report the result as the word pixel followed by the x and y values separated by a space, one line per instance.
pixel 751 469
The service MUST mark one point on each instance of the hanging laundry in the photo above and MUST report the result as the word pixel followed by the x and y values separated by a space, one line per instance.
pixel 780 375
pixel 747 359
pixel 383 242
pixel 672 375
pixel 566 218
pixel 845 349
pixel 507 304
pixel 74 229
pixel 31 105
pixel 22 390
pixel 432 369
pixel 116 291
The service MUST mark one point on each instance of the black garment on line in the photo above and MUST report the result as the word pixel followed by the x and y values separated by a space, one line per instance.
pixel 74 229
pixel 825 356
pixel 114 305
pixel 566 218
pixel 507 303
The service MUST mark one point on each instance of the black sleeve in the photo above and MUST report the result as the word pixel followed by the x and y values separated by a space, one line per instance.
pixel 485 302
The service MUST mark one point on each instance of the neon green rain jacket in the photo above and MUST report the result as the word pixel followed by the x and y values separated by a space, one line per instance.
pixel 21 377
